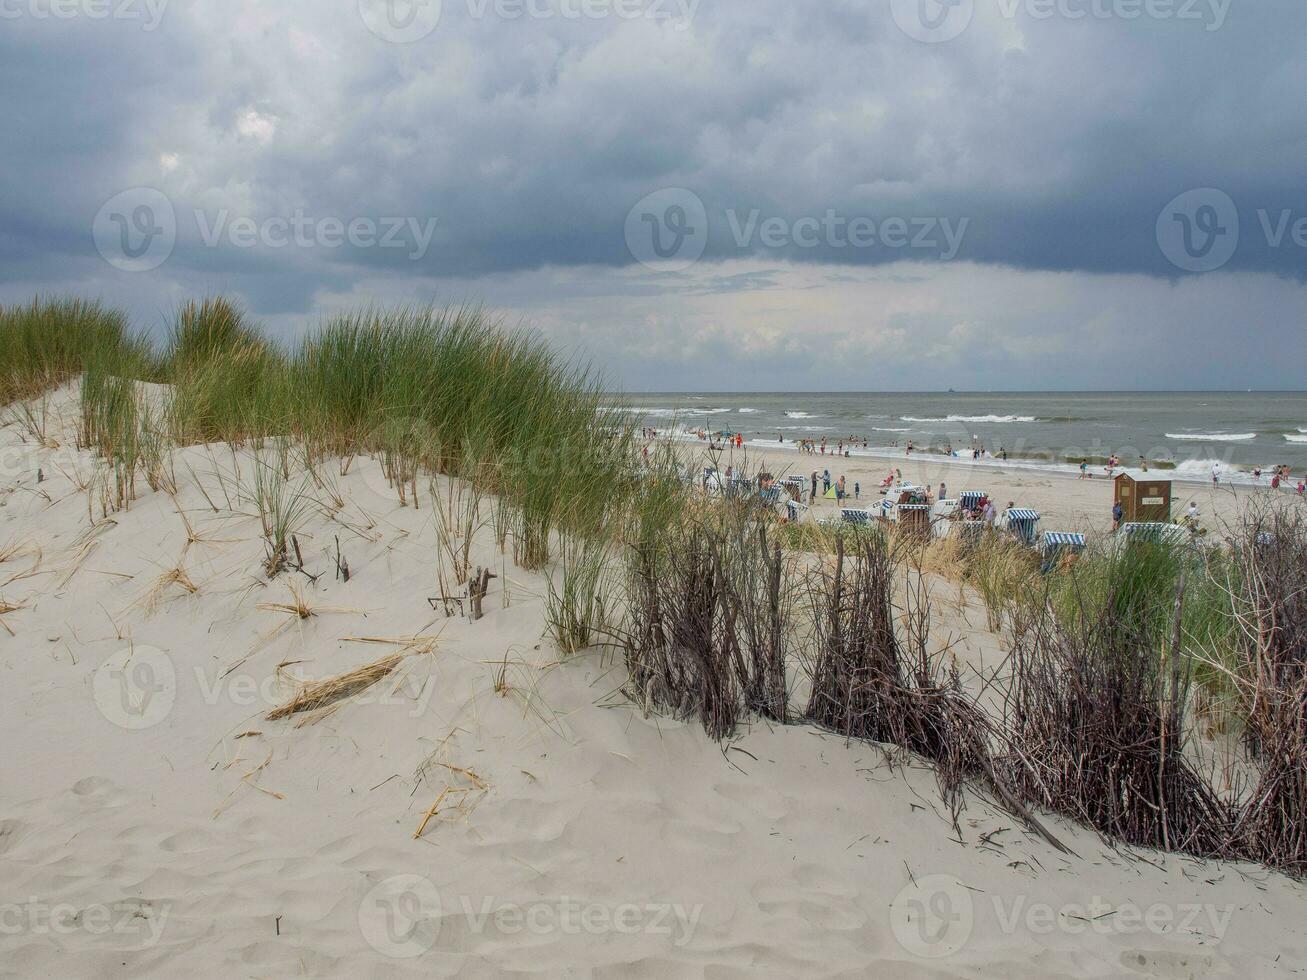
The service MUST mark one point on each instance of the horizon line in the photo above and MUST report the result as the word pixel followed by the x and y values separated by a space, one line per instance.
pixel 966 391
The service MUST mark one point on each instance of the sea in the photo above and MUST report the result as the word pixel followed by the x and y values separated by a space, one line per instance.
pixel 1183 433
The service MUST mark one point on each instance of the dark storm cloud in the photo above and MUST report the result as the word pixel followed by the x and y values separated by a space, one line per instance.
pixel 1048 135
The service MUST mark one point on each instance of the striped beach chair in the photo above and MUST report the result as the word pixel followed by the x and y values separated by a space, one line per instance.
pixel 969 533
pixel 1021 523
pixel 1154 531
pixel 1056 545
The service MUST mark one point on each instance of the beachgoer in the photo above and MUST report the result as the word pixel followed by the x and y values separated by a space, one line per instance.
pixel 1192 514
pixel 1216 473
pixel 1117 514
pixel 857 490
pixel 943 490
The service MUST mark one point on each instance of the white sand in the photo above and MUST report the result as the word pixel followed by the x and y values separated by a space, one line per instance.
pixel 215 843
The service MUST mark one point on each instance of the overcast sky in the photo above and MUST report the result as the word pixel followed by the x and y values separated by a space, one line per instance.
pixel 742 195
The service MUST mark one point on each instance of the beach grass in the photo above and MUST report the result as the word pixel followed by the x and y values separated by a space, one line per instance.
pixel 498 429
pixel 47 342
pixel 436 391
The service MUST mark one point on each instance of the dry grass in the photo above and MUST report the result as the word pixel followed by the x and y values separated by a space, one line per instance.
pixel 298 606
pixel 12 550
pixel 7 607
pixel 174 579
pixel 313 695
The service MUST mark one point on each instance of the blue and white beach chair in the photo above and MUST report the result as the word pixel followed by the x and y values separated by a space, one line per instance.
pixel 1021 522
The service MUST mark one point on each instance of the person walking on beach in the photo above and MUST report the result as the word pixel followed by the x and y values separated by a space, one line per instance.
pixel 943 490
pixel 813 498
pixel 857 490
pixel 1117 514
pixel 990 513
pixel 1216 474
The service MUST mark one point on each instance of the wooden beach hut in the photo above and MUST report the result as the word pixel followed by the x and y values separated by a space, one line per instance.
pixel 1142 496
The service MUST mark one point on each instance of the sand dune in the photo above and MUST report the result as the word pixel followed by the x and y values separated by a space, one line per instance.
pixel 154 821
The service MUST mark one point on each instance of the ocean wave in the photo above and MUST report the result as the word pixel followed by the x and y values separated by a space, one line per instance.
pixel 1212 436
pixel 1201 468
pixel 673 412
pixel 972 418
pixel 746 411
pixel 1297 438
pixel 801 415
pixel 877 428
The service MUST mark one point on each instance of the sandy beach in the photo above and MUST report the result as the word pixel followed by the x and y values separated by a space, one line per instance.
pixel 1064 502
pixel 491 807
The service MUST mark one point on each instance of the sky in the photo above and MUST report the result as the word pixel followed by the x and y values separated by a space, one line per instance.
pixel 690 194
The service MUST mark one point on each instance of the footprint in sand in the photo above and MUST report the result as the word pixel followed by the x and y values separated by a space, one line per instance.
pixel 10 832
pixel 92 786
pixel 1157 963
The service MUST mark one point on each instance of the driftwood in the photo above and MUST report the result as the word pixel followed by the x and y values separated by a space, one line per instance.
pixel 476 590
pixel 477 586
